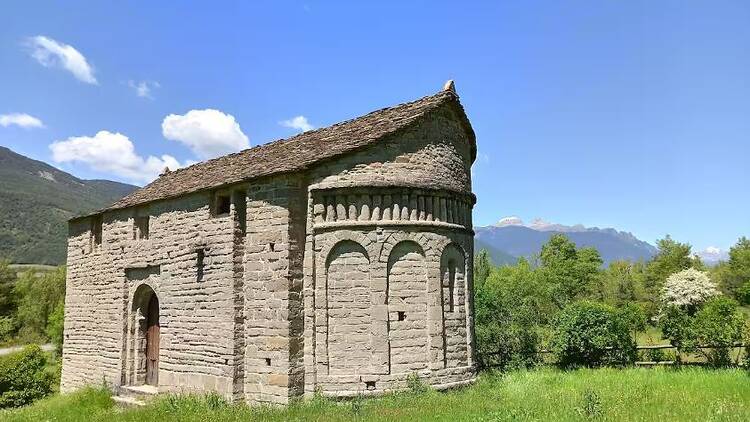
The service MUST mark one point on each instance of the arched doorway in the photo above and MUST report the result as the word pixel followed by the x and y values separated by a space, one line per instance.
pixel 144 336
pixel 152 341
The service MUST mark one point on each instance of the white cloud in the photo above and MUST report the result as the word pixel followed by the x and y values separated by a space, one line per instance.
pixel 51 53
pixel 299 123
pixel 143 88
pixel 208 133
pixel 111 153
pixel 20 119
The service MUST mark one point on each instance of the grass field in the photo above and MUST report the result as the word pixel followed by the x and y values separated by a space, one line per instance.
pixel 661 394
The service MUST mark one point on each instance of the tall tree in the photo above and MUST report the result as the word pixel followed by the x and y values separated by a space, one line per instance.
pixel 671 258
pixel 482 268
pixel 568 273
pixel 7 282
pixel 39 295
pixel 739 266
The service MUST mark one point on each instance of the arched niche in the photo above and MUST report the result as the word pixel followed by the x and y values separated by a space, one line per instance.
pixel 407 301
pixel 453 299
pixel 349 310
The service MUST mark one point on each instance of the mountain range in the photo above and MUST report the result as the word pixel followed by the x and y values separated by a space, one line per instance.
pixel 511 239
pixel 36 200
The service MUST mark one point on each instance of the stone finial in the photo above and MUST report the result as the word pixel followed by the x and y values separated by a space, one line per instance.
pixel 165 171
pixel 449 86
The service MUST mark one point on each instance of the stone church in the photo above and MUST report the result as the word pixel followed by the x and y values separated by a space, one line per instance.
pixel 337 261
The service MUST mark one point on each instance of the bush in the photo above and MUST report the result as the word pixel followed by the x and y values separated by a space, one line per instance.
pixel 719 324
pixel 592 334
pixel 7 328
pixel 743 293
pixel 38 297
pixel 55 325
pixel 677 326
pixel 507 318
pixel 657 355
pixel 23 377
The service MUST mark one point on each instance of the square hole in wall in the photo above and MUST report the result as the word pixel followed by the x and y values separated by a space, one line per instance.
pixel 370 385
pixel 272 246
pixel 268 361
pixel 222 204
pixel 401 315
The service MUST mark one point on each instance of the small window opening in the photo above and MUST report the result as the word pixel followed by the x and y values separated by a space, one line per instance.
pixel 268 361
pixel 96 229
pixel 201 254
pixel 272 246
pixel 401 315
pixel 222 205
pixel 370 385
pixel 140 228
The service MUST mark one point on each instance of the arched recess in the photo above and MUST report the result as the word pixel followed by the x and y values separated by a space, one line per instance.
pixel 144 345
pixel 349 310
pixel 453 294
pixel 407 301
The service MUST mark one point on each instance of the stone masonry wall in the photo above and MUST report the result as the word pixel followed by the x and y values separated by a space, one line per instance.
pixel 273 283
pixel 434 153
pixel 196 306
pixel 389 243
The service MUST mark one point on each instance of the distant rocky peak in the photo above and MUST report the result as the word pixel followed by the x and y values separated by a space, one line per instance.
pixel 509 221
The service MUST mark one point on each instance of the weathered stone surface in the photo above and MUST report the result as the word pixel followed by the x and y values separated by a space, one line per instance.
pixel 344 277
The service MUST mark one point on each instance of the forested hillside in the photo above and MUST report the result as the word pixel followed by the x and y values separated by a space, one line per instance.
pixel 36 200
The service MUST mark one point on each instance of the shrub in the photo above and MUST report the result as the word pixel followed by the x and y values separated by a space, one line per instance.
pixel 7 328
pixel 688 289
pixel 592 334
pixel 657 355
pixel 55 324
pixel 507 318
pixel 677 326
pixel 23 378
pixel 719 324
pixel 743 293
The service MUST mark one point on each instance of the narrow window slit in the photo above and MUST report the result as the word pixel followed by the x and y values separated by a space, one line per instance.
pixel 201 254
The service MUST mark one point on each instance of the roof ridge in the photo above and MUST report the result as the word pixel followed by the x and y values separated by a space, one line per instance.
pixel 449 94
pixel 297 153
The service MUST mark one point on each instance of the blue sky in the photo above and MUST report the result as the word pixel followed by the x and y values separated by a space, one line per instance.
pixel 633 115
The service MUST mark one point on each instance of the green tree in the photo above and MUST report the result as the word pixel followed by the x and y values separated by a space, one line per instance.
pixel 719 324
pixel 568 273
pixel 678 327
pixel 55 324
pixel 482 268
pixel 39 294
pixel 508 316
pixel 7 282
pixel 622 283
pixel 672 257
pixel 739 267
pixel 593 334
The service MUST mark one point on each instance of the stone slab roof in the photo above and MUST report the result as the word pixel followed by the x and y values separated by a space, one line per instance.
pixel 293 154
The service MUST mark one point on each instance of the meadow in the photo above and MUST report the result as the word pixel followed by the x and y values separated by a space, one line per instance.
pixel 607 394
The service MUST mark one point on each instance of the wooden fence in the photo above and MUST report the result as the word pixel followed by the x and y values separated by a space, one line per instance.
pixel 659 347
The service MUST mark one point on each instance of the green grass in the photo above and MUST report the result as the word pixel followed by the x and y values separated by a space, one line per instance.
pixel 546 394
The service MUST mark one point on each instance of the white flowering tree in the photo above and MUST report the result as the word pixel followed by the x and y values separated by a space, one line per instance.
pixel 688 289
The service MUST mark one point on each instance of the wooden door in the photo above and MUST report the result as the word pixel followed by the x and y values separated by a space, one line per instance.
pixel 152 342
